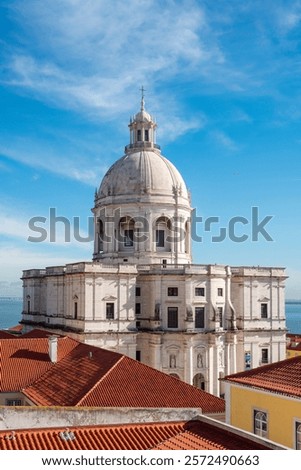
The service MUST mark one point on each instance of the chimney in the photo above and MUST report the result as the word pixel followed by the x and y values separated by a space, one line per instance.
pixel 52 341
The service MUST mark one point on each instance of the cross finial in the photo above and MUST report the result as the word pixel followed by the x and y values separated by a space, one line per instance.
pixel 142 89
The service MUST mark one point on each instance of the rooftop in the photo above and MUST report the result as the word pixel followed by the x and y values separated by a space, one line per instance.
pixel 199 434
pixel 85 375
pixel 282 377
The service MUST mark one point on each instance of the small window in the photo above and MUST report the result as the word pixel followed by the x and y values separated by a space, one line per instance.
pixel 172 317
pixel 138 355
pixel 75 310
pixel 264 310
pixel 220 316
pixel 247 360
pixel 260 423
pixel 298 435
pixel 129 237
pixel 139 135
pixel 199 317
pixel 199 291
pixel 264 356
pixel 109 311
pixel 172 291
pixel 146 135
pixel 137 308
pixel 138 291
pixel 160 238
pixel 220 292
pixel 13 402
pixel 28 306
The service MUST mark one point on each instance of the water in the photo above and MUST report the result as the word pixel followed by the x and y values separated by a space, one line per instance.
pixel 10 314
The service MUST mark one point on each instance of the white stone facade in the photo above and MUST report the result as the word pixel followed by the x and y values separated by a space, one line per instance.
pixel 141 295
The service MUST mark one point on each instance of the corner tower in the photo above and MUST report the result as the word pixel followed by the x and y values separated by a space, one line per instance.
pixel 142 211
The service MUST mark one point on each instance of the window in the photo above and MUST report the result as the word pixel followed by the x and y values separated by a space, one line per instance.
pixel 220 316
pixel 109 311
pixel 172 317
pixel 138 355
pixel 139 134
pixel 160 238
pixel 247 360
pixel 220 292
pixel 146 135
pixel 100 236
pixel 28 306
pixel 260 423
pixel 298 435
pixel 13 402
pixel 128 237
pixel 172 291
pixel 264 356
pixel 264 310
pixel 75 310
pixel 138 291
pixel 137 308
pixel 199 317
pixel 199 291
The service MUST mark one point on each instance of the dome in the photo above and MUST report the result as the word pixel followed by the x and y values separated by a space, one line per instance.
pixel 143 172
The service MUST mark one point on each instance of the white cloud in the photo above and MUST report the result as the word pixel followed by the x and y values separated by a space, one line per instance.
pixel 43 232
pixel 224 140
pixel 39 155
pixel 92 56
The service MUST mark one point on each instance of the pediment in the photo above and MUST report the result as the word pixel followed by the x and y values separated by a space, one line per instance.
pixel 109 298
pixel 264 299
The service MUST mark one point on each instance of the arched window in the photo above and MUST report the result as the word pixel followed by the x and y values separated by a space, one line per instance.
pixel 174 375
pixel 199 381
pixel 163 234
pixel 260 423
pixel 126 233
pixel 100 234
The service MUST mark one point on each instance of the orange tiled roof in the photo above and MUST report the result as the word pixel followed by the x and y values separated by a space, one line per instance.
pixel 23 360
pixel 91 376
pixel 5 335
pixel 281 377
pixel 191 435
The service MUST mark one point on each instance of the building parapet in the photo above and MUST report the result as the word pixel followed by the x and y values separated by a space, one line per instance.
pixel 258 271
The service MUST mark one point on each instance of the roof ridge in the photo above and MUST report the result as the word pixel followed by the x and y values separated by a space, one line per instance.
pixel 98 381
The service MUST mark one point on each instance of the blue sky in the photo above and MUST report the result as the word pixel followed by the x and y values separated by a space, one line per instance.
pixel 223 80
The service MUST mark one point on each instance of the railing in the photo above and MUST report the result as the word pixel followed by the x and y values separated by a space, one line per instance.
pixel 142 145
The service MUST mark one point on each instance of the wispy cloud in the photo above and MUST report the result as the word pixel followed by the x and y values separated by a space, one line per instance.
pixel 91 56
pixel 37 154
pixel 223 139
pixel 56 230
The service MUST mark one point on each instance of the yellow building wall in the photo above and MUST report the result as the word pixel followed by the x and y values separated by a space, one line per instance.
pixel 282 413
pixel 292 353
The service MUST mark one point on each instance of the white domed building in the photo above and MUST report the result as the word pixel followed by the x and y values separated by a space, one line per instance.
pixel 142 296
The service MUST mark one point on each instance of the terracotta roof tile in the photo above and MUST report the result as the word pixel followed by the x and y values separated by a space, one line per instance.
pixel 37 333
pixel 281 377
pixel 91 376
pixel 131 384
pixel 5 335
pixel 191 435
pixel 85 375
pixel 24 360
